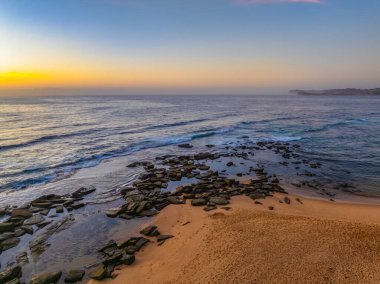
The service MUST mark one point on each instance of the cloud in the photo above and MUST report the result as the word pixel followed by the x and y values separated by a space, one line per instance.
pixel 254 2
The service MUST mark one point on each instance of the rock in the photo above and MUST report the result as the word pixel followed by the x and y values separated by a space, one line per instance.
pixel 34 220
pixel 141 242
pixel 258 202
pixel 198 202
pixel 219 200
pixel 14 281
pixel 204 167
pixel 270 207
pixel 150 231
pixel 110 244
pixel 174 200
pixel 7 235
pixel 10 273
pixel 185 145
pixel 161 238
pixel 83 191
pixel 229 164
pixel 209 208
pixel 287 200
pixel 113 212
pixel 19 232
pixel 22 258
pixel 299 200
pixel 128 259
pixel 113 259
pixel 99 273
pixel 42 204
pixel 77 205
pixel 9 243
pixel 45 212
pixel 25 213
pixel 257 195
pixel 59 209
pixel 6 227
pixel 46 277
pixel 75 275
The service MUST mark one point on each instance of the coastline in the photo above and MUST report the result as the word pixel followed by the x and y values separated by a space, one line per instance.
pixel 318 240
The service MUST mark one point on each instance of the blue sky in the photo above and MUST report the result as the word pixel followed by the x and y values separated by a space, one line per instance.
pixel 242 46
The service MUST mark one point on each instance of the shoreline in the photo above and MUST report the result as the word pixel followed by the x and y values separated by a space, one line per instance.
pixel 244 181
pixel 210 248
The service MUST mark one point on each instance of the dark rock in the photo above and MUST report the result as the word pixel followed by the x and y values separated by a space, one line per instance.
pixel 73 276
pixel 257 195
pixel 270 207
pixel 198 202
pixel 99 273
pixel 59 209
pixel 185 145
pixel 258 202
pixel 10 273
pixel 219 200
pixel 161 238
pixel 46 277
pixel 141 242
pixel 83 191
pixel 25 213
pixel 209 208
pixel 299 200
pixel 150 231
pixel 77 205
pixel 34 220
pixel 9 243
pixel 22 258
pixel 113 259
pixel 229 164
pixel 287 200
pixel 128 259
pixel 42 204
pixel 6 227
pixel 174 200
pixel 45 212
pixel 19 232
pixel 110 244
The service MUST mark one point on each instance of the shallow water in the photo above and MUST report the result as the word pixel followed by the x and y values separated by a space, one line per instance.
pixel 46 139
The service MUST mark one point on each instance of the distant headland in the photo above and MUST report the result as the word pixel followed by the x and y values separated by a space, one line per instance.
pixel 337 92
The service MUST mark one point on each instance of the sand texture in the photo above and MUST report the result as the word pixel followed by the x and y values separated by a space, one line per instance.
pixel 314 242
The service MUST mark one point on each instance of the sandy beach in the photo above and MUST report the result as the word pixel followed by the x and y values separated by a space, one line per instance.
pixel 314 242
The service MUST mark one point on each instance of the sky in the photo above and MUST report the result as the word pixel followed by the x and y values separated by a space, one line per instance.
pixel 189 46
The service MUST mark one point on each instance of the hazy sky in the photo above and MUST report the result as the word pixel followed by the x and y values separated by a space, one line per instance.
pixel 190 46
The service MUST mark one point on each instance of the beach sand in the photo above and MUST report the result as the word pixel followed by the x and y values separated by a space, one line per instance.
pixel 314 242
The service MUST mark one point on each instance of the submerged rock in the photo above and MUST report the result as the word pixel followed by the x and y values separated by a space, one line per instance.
pixel 10 243
pixel 10 273
pixel 46 277
pixel 185 145
pixel 83 191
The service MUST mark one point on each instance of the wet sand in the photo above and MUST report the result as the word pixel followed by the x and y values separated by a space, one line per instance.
pixel 314 242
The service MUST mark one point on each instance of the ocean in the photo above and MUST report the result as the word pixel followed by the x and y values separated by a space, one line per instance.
pixel 47 139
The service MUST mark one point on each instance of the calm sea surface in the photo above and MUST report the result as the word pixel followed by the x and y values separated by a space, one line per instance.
pixel 45 139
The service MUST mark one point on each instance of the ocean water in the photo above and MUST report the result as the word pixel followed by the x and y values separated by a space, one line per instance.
pixel 47 139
